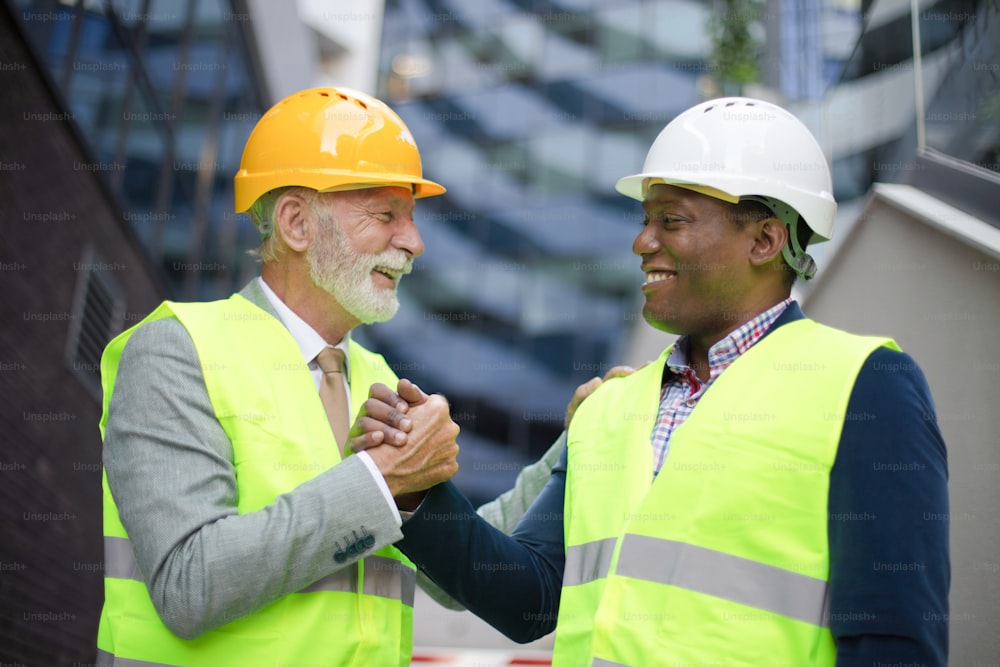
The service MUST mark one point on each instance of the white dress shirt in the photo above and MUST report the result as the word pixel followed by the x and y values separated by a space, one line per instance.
pixel 311 344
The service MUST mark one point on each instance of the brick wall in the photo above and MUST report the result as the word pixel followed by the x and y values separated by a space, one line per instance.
pixel 58 227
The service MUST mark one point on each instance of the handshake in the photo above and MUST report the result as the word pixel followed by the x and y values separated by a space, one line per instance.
pixel 410 437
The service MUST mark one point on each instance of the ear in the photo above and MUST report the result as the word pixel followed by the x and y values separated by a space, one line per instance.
pixel 294 221
pixel 770 237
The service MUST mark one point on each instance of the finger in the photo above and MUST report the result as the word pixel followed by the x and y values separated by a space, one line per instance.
pixel 380 433
pixel 382 412
pixel 366 441
pixel 438 404
pixel 410 392
pixel 618 371
pixel 582 392
pixel 586 389
pixel 388 396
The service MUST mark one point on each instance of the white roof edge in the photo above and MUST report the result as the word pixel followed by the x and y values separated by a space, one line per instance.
pixel 926 208
pixel 941 216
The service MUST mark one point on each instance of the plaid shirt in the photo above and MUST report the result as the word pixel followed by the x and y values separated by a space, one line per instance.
pixel 681 387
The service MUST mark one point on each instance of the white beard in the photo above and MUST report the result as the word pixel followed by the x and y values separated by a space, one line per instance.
pixel 345 274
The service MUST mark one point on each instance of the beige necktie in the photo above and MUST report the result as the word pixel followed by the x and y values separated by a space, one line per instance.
pixel 333 393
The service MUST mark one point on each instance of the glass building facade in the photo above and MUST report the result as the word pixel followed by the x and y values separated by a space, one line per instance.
pixel 880 119
pixel 529 112
pixel 164 95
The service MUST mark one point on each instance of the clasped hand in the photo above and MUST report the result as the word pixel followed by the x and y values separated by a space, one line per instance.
pixel 410 437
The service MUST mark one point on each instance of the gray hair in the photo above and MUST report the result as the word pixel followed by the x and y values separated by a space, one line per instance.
pixel 262 216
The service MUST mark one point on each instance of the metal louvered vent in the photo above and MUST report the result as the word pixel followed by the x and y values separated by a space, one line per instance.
pixel 98 314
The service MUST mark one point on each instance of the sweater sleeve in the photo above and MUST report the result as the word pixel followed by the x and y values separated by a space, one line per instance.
pixel 505 511
pixel 888 521
pixel 513 583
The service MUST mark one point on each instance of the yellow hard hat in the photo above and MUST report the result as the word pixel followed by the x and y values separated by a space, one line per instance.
pixel 329 139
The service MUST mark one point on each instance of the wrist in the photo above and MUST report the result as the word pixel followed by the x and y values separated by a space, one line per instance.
pixel 408 502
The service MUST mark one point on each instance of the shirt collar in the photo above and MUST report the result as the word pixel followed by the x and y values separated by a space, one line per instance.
pixel 725 351
pixel 309 341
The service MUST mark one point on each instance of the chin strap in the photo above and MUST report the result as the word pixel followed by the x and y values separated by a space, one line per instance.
pixel 795 255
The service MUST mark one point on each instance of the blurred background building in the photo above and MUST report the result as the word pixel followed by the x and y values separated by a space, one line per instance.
pixel 122 123
pixel 529 112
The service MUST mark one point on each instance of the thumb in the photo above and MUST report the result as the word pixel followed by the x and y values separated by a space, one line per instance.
pixel 410 392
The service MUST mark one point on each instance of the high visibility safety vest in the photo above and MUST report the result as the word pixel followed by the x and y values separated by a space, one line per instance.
pixel 269 407
pixel 723 559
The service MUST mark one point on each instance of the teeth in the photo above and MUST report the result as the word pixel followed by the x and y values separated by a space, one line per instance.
pixel 657 276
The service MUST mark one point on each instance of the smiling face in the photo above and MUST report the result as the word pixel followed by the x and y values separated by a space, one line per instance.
pixel 366 241
pixel 702 275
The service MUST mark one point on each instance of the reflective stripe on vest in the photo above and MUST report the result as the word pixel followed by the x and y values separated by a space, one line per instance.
pixel 725 576
pixel 389 578
pixel 119 561
pixel 587 562
pixel 105 659
pixel 384 577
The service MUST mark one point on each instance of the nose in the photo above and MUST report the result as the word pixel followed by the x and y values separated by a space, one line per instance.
pixel 407 237
pixel 645 242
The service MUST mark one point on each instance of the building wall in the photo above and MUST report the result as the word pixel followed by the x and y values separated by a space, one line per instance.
pixel 937 296
pixel 58 228
pixel 285 46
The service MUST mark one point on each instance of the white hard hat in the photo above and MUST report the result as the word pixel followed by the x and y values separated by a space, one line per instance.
pixel 735 147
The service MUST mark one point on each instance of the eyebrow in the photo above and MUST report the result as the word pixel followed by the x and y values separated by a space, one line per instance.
pixel 392 201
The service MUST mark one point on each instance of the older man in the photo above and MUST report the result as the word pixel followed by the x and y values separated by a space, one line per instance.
pixel 238 531
pixel 758 495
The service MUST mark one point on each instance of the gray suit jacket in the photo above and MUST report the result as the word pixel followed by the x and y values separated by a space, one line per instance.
pixel 170 470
